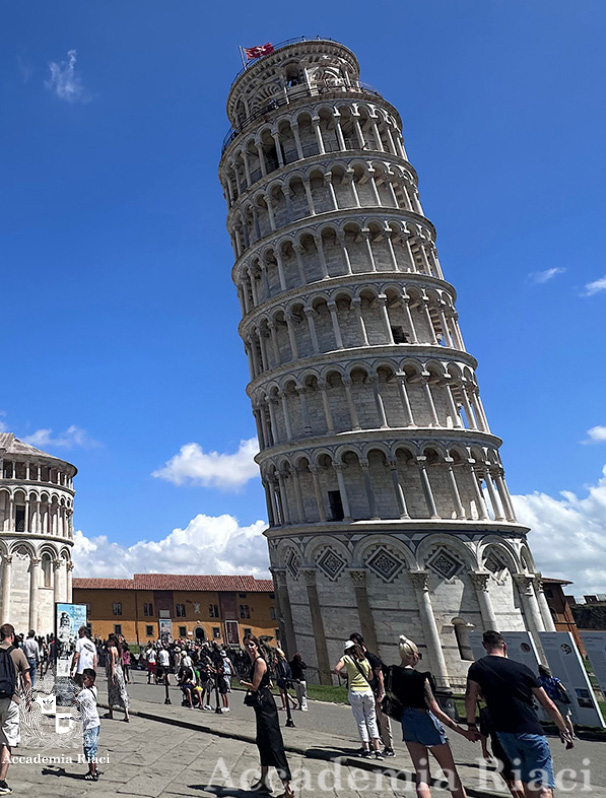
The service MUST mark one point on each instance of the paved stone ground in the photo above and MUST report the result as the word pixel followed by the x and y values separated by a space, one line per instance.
pixel 337 731
pixel 170 750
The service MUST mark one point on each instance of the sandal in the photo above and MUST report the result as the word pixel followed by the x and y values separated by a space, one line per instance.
pixel 108 716
pixel 91 777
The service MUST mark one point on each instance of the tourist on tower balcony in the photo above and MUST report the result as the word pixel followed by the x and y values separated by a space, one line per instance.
pixel 269 737
pixel 361 696
pixel 422 721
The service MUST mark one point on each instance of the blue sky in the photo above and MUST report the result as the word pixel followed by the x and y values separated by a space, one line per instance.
pixel 119 317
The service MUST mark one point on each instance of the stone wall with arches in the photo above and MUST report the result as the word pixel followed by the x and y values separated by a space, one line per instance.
pixel 36 534
pixel 427 586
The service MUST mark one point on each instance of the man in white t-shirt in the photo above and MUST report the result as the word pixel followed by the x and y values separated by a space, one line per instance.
pixel 150 656
pixel 163 665
pixel 85 656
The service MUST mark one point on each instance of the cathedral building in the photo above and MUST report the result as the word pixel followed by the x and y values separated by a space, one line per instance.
pixel 36 534
pixel 388 507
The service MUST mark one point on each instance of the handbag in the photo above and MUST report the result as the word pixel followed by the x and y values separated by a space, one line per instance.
pixel 391 704
pixel 563 693
pixel 251 698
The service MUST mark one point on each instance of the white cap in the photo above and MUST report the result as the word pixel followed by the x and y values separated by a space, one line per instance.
pixel 349 644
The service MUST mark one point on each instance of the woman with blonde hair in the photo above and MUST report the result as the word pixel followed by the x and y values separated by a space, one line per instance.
pixel 361 696
pixel 422 721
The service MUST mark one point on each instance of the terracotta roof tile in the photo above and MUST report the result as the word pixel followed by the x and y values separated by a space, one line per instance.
pixel 104 584
pixel 227 584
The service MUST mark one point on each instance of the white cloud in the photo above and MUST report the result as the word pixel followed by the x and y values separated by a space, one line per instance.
pixel 538 278
pixel 568 537
pixel 64 81
pixel 208 545
pixel 72 436
pixel 596 435
pixel 212 469
pixel 596 287
pixel 3 427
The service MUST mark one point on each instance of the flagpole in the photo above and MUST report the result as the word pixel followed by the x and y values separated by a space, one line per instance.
pixel 241 50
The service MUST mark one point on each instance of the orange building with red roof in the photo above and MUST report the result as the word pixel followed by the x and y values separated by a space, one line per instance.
pixel 194 607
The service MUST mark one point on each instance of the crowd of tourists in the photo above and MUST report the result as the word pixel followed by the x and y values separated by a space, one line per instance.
pixel 500 702
pixel 507 721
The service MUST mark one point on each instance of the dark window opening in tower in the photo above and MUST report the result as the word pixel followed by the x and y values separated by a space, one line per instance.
pixel 336 505
pixel 20 518
pixel 399 336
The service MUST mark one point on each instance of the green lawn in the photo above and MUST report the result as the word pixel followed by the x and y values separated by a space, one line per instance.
pixel 327 692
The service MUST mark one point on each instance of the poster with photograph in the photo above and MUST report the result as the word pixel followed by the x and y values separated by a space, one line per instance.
pixel 520 647
pixel 566 664
pixel 595 645
pixel 68 619
pixel 166 630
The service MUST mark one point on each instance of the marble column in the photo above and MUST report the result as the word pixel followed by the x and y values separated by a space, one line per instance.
pixel 33 593
pixel 338 467
pixel 57 579
pixel 397 486
pixel 367 624
pixel 70 568
pixel 318 492
pixel 285 611
pixel 426 485
pixel 543 605
pixel 372 505
pixel 479 580
pixel 6 587
pixel 437 662
pixel 532 613
pixel 317 623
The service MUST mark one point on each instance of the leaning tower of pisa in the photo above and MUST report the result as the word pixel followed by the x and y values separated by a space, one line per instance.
pixel 36 534
pixel 388 508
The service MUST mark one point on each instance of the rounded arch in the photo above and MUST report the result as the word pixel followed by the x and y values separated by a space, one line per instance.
pixel 431 542
pixel 315 546
pixel 504 552
pixel 368 544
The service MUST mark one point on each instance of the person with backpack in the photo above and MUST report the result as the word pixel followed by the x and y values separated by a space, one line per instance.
pixel 361 696
pixel 13 664
pixel 558 694
pixel 509 689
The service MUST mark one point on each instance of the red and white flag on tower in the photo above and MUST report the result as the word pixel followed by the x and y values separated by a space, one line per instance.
pixel 256 52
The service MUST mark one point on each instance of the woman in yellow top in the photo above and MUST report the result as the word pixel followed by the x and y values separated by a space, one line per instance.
pixel 361 696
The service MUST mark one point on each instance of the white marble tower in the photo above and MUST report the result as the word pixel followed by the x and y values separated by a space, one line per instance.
pixel 36 534
pixel 387 503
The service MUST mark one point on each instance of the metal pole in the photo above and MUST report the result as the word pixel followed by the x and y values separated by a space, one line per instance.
pixel 217 701
pixel 289 721
pixel 167 697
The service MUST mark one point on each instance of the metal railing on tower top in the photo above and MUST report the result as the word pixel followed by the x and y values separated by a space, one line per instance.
pixel 292 93
pixel 286 42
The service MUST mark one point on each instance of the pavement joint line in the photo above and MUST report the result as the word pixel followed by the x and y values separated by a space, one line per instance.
pixel 344 759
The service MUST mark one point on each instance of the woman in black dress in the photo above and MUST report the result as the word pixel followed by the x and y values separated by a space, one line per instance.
pixel 269 736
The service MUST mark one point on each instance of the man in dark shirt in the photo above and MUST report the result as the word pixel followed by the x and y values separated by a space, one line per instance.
pixel 378 688
pixel 508 688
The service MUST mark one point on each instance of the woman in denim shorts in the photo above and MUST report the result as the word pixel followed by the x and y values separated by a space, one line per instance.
pixel 422 721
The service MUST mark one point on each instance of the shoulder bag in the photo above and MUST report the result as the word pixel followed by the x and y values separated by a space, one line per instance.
pixel 391 704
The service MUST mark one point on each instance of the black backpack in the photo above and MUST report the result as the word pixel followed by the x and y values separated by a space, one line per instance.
pixel 8 680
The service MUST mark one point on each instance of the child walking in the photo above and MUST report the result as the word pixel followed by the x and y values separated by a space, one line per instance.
pixel 87 704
